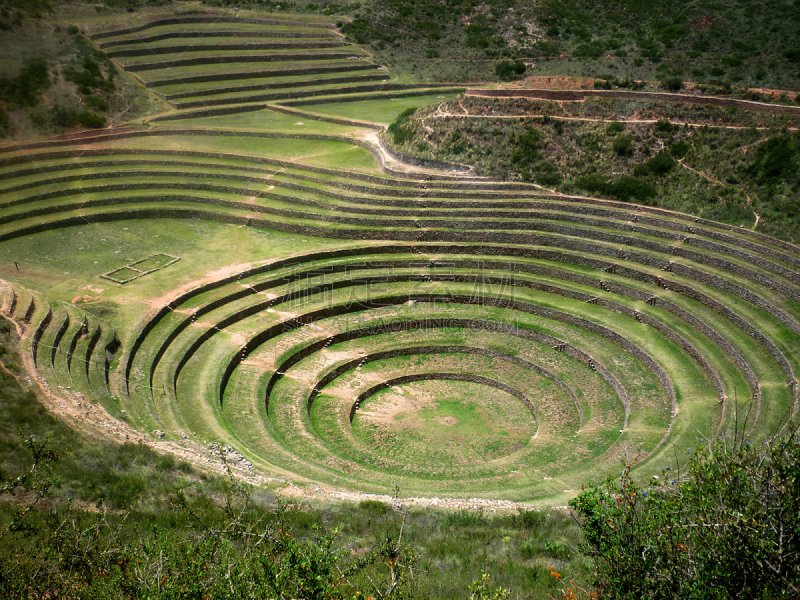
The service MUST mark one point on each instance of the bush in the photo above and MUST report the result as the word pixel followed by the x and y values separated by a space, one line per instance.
pixel 664 127
pixel 660 164
pixel 65 118
pixel 673 84
pixel 25 88
pixel 359 31
pixel 679 149
pixel 777 159
pixel 527 152
pixel 532 519
pixel 623 145
pixel 5 123
pixel 374 506
pixel 508 71
pixel 615 127
pixel 625 188
pixel 730 528
pixel 593 49
pixel 96 102
pixel 464 518
pixel 398 130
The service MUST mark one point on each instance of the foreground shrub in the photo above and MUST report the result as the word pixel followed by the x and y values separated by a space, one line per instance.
pixel 199 551
pixel 727 528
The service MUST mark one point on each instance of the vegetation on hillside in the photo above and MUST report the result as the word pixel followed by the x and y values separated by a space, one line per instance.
pixel 53 78
pixel 726 526
pixel 750 43
pixel 725 174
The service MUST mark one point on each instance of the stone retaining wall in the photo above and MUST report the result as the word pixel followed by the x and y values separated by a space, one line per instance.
pixel 239 59
pixel 272 86
pixel 227 47
pixel 200 33
pixel 290 94
pixel 265 73
pixel 37 335
pixel 57 339
pixel 91 346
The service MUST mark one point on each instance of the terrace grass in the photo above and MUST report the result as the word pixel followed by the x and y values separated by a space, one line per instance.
pixel 323 153
pixel 286 81
pixel 157 261
pixel 101 24
pixel 274 56
pixel 82 253
pixel 153 77
pixel 68 259
pixel 221 41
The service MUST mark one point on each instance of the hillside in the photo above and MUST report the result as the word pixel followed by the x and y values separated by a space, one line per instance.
pixel 322 252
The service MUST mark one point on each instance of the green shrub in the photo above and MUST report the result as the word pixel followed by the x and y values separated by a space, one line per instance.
pixel 25 88
pixel 398 130
pixel 508 71
pixel 96 102
pixel 660 164
pixel 777 159
pixel 664 127
pixel 527 151
pixel 673 84
pixel 592 49
pixel 626 188
pixel 532 519
pixel 615 128
pixel 732 62
pixel 5 123
pixel 623 145
pixel 64 118
pixel 728 528
pixel 679 149
pixel 374 506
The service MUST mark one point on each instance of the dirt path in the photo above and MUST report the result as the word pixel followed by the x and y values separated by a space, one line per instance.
pixel 466 115
pixel 373 138
pixel 324 493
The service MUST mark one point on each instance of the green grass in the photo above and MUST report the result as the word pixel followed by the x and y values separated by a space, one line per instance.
pixel 324 153
pixel 467 423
